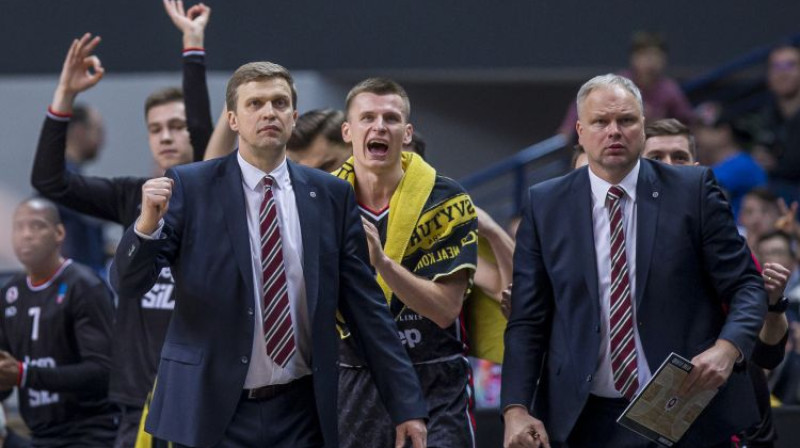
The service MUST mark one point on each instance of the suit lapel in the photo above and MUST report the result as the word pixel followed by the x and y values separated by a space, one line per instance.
pixel 582 192
pixel 306 197
pixel 647 192
pixel 230 194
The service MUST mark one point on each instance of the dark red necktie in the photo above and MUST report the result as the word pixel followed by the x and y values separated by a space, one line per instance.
pixel 622 344
pixel 278 331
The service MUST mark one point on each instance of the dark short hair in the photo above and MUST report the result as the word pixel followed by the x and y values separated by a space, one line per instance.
pixel 779 234
pixel 310 125
pixel 162 96
pixel 379 86
pixel 257 71
pixel 643 40
pixel 763 194
pixel 669 127
pixel 577 150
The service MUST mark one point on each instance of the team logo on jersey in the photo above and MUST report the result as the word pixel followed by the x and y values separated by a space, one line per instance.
pixel 62 292
pixel 12 294
pixel 11 311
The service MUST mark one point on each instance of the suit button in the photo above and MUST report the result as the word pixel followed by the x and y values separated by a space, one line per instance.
pixel 597 328
pixel 589 378
pixel 244 359
pixel 315 369
pixel 250 312
pixel 640 323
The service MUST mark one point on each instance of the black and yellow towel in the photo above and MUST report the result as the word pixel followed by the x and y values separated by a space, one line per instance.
pixel 431 231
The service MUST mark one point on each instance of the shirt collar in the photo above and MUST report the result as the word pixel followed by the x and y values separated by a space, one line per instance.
pixel 253 176
pixel 600 187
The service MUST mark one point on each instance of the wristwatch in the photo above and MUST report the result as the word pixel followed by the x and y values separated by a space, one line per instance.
pixel 780 306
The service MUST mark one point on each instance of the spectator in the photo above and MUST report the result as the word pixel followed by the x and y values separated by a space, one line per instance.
pixel 662 96
pixel 781 121
pixel 758 215
pixel 778 247
pixel 737 172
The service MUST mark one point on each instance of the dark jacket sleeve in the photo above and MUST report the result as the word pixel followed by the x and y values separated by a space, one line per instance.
pixel 138 261
pixel 110 199
pixel 370 322
pixel 731 269
pixel 91 326
pixel 198 106
pixel 528 330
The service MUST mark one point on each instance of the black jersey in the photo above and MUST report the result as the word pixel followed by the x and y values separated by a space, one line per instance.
pixel 439 249
pixel 61 332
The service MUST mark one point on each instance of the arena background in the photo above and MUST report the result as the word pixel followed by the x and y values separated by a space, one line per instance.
pixel 486 79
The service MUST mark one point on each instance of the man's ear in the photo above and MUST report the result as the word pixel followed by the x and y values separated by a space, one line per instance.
pixel 233 121
pixel 408 135
pixel 61 233
pixel 346 133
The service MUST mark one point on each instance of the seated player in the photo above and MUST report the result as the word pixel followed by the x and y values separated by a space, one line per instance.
pixel 55 337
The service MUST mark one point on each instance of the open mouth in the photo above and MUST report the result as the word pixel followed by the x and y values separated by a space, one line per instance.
pixel 377 147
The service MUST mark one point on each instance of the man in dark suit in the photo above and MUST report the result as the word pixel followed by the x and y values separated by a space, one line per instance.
pixel 263 253
pixel 647 263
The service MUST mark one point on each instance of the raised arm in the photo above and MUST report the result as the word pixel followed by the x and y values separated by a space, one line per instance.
pixel 223 140
pixel 192 24
pixel 99 197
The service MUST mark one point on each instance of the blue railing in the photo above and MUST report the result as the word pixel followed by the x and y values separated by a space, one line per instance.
pixel 517 164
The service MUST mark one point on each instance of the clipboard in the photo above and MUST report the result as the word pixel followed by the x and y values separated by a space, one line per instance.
pixel 657 412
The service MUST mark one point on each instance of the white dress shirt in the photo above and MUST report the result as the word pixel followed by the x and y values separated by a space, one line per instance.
pixel 603 384
pixel 263 370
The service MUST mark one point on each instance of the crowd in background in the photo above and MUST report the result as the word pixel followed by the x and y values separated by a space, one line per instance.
pixel 755 157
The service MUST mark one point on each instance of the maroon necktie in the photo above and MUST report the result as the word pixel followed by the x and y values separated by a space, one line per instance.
pixel 278 332
pixel 622 344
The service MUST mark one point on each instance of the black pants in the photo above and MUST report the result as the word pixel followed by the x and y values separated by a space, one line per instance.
pixel 129 419
pixel 288 420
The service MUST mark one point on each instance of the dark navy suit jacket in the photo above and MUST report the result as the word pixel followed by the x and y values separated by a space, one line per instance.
pixel 205 356
pixel 691 264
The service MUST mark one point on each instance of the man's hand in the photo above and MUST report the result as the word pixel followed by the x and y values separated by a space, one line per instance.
pixel 9 370
pixel 81 71
pixel 711 368
pixel 155 203
pixel 505 302
pixel 522 430
pixel 374 242
pixel 787 222
pixel 775 278
pixel 191 23
pixel 414 430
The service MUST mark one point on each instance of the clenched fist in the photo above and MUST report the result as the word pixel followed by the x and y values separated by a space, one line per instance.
pixel 155 203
